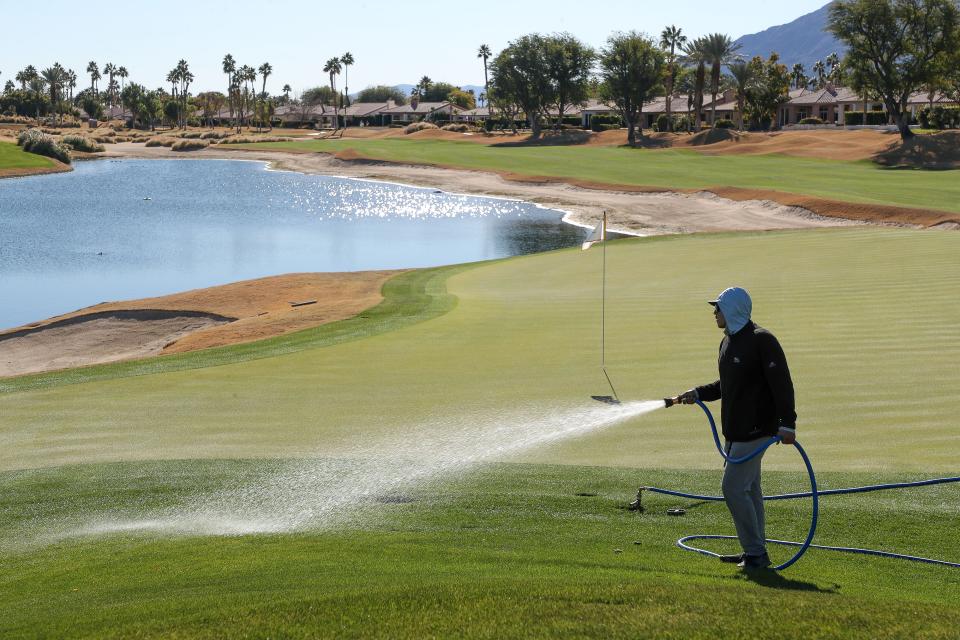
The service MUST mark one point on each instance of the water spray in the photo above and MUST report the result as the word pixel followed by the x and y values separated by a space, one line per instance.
pixel 815 494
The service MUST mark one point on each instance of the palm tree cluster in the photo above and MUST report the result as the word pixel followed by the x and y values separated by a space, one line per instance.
pixel 242 98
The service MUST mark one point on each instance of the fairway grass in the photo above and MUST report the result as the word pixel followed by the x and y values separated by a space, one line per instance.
pixel 844 181
pixel 511 551
pixel 506 548
pixel 14 160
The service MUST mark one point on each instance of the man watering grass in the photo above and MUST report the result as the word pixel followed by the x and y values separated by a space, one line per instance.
pixel 757 402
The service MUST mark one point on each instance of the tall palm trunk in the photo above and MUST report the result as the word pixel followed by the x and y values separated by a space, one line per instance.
pixel 698 96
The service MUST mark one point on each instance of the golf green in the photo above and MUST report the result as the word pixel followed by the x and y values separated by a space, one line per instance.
pixel 482 538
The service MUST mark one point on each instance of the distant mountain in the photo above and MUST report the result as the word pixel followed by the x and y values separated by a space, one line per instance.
pixel 805 40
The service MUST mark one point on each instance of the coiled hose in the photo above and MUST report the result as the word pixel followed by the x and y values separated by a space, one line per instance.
pixel 814 493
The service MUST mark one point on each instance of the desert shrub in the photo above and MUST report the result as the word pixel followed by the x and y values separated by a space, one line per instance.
pixel 458 127
pixel 191 135
pixel 37 142
pixel 81 143
pixel 213 135
pixel 190 145
pixel 418 126
pixel 248 140
pixel 724 123
pixel 160 142
pixel 855 118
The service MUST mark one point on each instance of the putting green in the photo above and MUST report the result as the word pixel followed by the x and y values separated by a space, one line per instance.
pixel 867 318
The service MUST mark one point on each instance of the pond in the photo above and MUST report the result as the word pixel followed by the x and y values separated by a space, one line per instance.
pixel 120 229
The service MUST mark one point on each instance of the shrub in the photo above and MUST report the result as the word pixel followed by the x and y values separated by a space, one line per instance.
pixel 191 135
pixel 459 127
pixel 190 145
pixel 603 122
pixel 213 135
pixel 418 126
pixel 34 141
pixel 723 123
pixel 811 121
pixel 855 118
pixel 160 142
pixel 81 143
pixel 663 123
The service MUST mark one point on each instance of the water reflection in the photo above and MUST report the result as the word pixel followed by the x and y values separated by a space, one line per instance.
pixel 127 229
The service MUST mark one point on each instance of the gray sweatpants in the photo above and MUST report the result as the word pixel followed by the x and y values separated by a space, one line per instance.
pixel 741 490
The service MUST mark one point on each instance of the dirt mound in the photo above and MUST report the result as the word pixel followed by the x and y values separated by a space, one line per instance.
pixel 713 136
pixel 936 151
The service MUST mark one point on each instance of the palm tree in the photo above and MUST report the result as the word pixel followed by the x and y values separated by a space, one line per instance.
pixel 247 75
pixel 110 69
pixel 695 56
pixel 71 82
pixel 265 71
pixel 25 76
pixel 820 69
pixel 742 77
pixel 286 92
pixel 347 60
pixel 333 68
pixel 55 78
pixel 799 76
pixel 38 86
pixel 122 73
pixel 229 68
pixel 94 72
pixel 671 38
pixel 423 86
pixel 484 52
pixel 719 50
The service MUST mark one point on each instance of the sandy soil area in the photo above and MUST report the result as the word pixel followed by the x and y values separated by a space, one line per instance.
pixel 229 314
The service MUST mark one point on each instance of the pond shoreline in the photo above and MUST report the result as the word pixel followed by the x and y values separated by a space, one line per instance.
pixel 636 212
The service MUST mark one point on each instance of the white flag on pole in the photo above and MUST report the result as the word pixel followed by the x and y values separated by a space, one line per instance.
pixel 599 234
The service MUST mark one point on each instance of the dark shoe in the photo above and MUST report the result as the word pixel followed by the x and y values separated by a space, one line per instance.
pixel 755 563
pixel 734 559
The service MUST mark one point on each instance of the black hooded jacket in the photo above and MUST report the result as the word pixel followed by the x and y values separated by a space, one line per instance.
pixel 755 386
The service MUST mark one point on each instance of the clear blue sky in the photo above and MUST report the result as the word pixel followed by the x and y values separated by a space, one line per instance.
pixel 393 42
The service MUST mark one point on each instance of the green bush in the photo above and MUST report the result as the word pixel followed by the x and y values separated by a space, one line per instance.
pixel 874 118
pixel 811 121
pixel 418 126
pixel 939 118
pixel 190 145
pixel 663 123
pixel 459 127
pixel 81 143
pixel 723 123
pixel 34 141
pixel 603 122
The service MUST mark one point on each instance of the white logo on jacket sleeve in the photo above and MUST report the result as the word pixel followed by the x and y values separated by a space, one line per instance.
pixel 736 360
pixel 773 365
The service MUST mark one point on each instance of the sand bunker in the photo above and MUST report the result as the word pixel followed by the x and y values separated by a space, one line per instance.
pixel 97 338
pixel 199 319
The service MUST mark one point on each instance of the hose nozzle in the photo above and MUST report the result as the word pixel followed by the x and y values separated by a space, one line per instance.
pixel 669 402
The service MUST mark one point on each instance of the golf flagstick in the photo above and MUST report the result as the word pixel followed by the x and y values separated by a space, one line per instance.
pixel 600 235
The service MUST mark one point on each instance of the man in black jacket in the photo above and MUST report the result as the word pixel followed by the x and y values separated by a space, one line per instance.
pixel 758 403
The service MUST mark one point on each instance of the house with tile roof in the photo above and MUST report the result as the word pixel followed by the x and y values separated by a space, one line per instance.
pixel 416 111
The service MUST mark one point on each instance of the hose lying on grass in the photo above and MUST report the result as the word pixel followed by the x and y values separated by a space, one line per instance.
pixel 814 493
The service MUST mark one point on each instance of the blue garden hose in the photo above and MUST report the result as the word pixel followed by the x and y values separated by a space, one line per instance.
pixel 814 493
